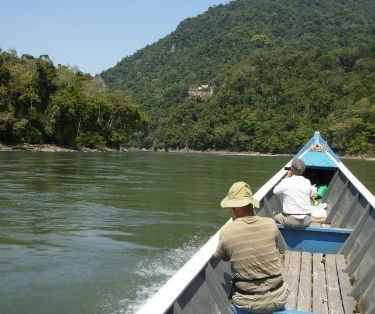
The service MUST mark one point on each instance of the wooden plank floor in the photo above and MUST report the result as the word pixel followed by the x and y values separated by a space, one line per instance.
pixel 317 283
pixel 319 223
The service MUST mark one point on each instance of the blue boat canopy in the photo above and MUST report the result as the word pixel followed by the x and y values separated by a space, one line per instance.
pixel 317 154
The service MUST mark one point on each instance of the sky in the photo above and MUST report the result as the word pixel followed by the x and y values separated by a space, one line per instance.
pixel 92 35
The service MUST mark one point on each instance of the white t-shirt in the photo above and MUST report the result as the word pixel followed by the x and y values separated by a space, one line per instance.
pixel 297 192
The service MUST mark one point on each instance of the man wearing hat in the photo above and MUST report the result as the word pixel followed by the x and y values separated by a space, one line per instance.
pixel 249 242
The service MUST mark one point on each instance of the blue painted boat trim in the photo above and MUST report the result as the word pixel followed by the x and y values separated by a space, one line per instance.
pixel 240 311
pixel 317 154
pixel 324 240
pixel 318 160
pixel 291 312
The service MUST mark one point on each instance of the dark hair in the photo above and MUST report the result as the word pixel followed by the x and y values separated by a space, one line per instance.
pixel 297 167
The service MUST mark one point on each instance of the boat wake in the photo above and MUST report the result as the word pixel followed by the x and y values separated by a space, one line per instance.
pixel 153 274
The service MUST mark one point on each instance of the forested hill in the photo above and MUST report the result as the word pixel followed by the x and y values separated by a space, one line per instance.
pixel 41 103
pixel 259 75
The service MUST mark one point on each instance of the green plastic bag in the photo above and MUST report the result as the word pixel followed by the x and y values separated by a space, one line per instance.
pixel 322 189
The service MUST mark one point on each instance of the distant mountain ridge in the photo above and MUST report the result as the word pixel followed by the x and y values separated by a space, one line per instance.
pixel 281 69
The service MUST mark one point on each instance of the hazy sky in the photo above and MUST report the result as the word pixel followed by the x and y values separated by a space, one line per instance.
pixel 91 34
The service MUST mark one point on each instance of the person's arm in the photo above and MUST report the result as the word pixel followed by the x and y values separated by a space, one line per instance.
pixel 276 189
pixel 221 252
pixel 313 190
pixel 278 239
pixel 279 188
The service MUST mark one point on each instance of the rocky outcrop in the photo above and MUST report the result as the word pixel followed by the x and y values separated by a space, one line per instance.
pixel 35 147
pixel 203 92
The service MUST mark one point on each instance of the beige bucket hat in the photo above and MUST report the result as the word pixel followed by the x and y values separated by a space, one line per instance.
pixel 239 195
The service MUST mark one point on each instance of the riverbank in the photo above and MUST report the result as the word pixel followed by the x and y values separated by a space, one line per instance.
pixel 49 148
pixel 34 147
pixel 54 148
pixel 216 152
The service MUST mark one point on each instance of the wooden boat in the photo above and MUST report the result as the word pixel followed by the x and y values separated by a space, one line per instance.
pixel 329 267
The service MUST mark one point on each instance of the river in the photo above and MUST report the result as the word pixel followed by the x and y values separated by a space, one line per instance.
pixel 101 232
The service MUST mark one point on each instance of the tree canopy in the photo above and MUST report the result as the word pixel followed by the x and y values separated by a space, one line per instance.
pixel 40 103
pixel 279 71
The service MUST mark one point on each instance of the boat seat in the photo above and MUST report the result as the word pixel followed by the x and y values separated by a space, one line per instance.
pixel 314 239
pixel 317 283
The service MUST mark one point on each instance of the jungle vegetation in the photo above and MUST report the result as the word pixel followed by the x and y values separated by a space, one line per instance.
pixel 41 103
pixel 279 70
pixel 275 72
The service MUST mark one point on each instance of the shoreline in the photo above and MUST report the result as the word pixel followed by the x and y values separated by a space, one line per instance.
pixel 53 148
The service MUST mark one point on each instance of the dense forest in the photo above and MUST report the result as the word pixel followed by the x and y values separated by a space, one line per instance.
pixel 251 75
pixel 40 103
pixel 259 75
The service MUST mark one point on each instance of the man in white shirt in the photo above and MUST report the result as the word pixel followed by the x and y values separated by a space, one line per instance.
pixel 297 192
